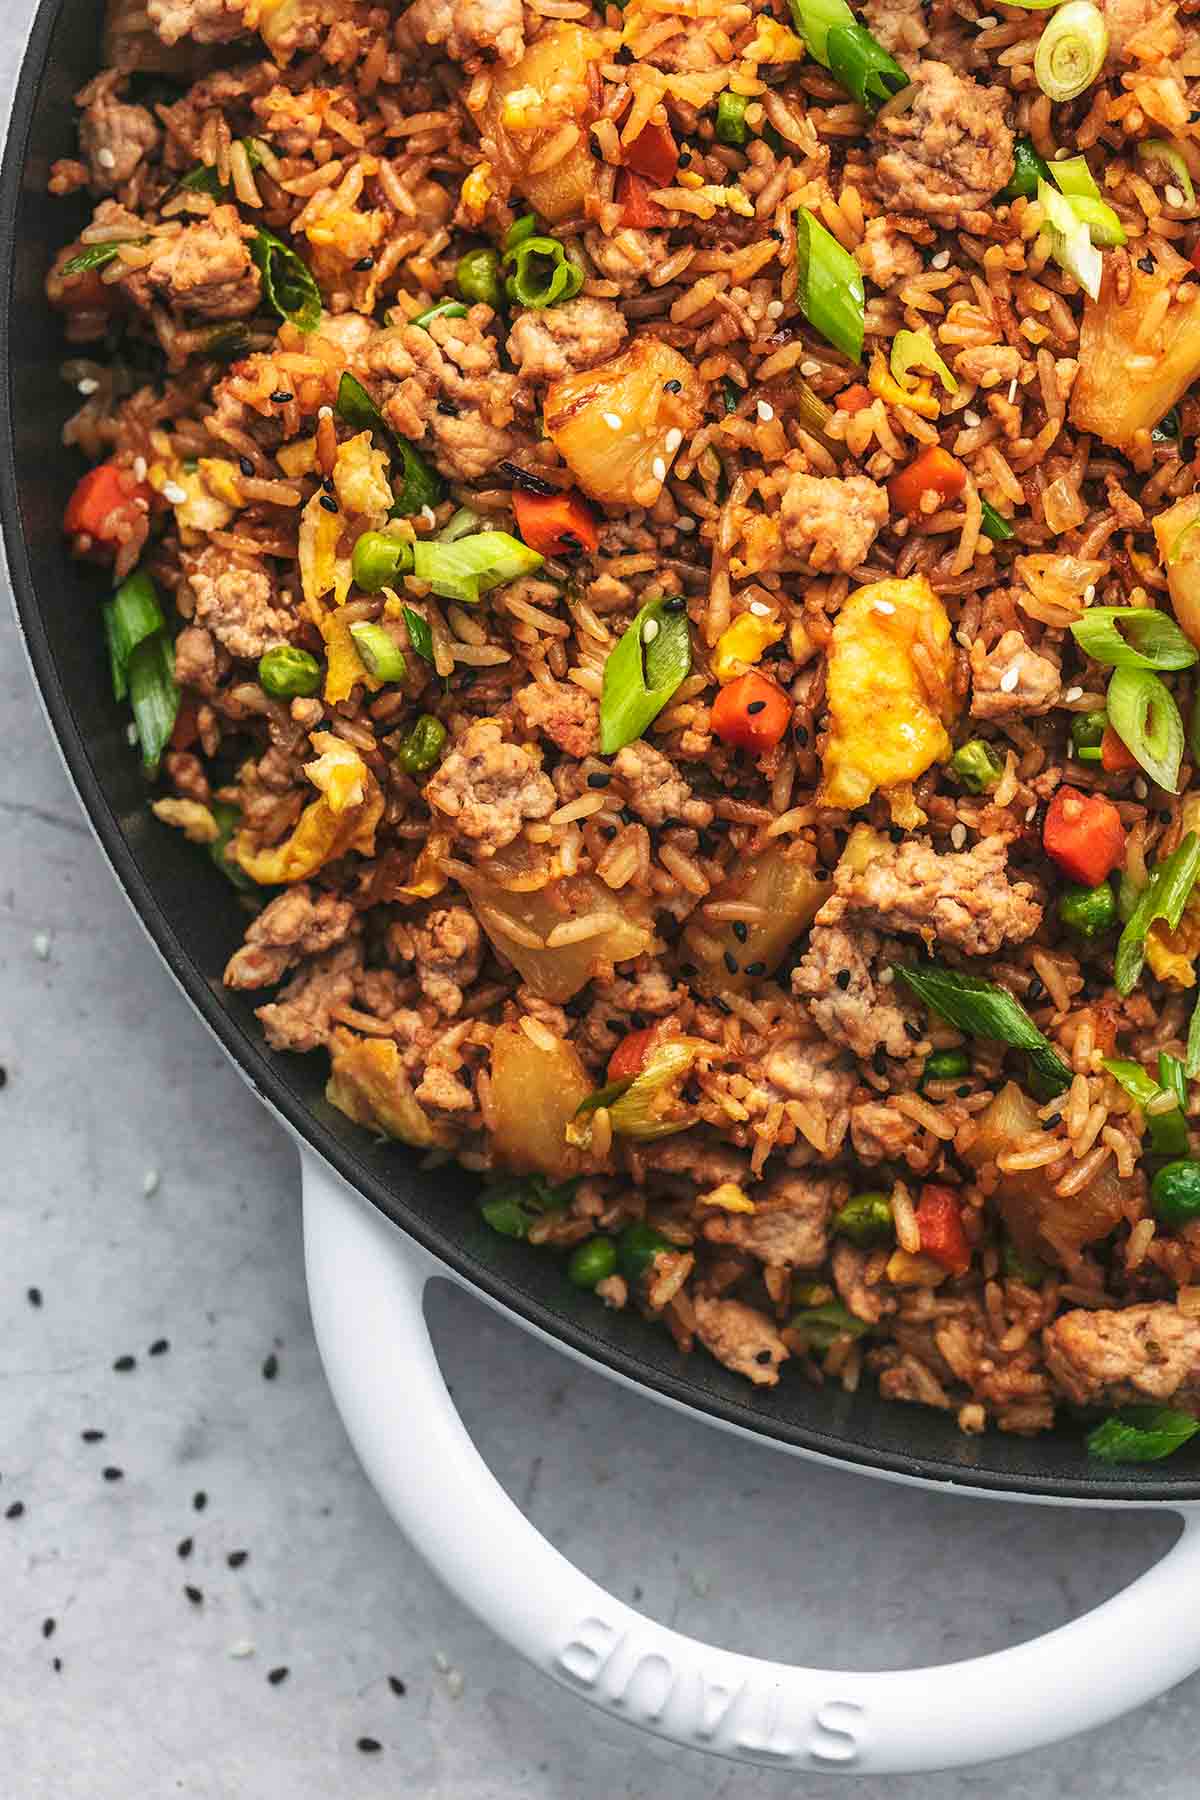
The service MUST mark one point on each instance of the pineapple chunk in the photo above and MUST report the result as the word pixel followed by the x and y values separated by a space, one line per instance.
pixel 1177 534
pixel 885 727
pixel 527 104
pixel 617 426
pixel 1126 383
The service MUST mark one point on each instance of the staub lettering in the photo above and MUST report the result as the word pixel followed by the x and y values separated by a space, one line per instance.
pixel 635 1677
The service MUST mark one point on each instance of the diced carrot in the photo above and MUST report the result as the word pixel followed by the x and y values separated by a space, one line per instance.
pixel 934 471
pixel 632 1053
pixel 187 723
pixel 1195 259
pixel 638 210
pixel 653 153
pixel 854 398
pixel 939 1220
pixel 556 524
pixel 1084 835
pixel 751 713
pixel 1115 757
pixel 103 502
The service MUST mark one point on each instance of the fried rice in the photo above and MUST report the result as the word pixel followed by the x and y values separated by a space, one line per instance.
pixel 657 992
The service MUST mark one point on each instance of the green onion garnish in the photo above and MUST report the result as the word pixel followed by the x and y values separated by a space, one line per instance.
pixel 1070 240
pixel 95 256
pixel 521 229
pixel 1071 175
pixel 994 524
pixel 421 485
pixel 821 1326
pixel 477 277
pixel 863 67
pixel 1134 637
pixel 1087 735
pixel 460 524
pixel 641 674
pixel 917 350
pixel 731 127
pixel 815 18
pixel 467 569
pixel 288 284
pixel 1142 711
pixel 1164 897
pixel 203 179
pixel 378 651
pixel 1104 227
pixel 153 696
pixel 982 1009
pixel 1168 1130
pixel 130 617
pixel 1139 1434
pixel 1071 51
pixel 419 634
pixel 1028 169
pixel 542 274
pixel 1163 151
pixel 445 309
pixel 831 290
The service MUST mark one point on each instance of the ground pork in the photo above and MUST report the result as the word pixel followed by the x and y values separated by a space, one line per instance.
pixel 627 257
pixel 814 1072
pixel 444 1091
pixel 563 713
pixel 789 1225
pixel 234 597
pixel 114 135
pixel 964 898
pixel 898 25
pixel 832 523
pixel 448 950
pixel 950 152
pixel 880 1134
pixel 866 1301
pixel 987 365
pixel 1011 680
pixel 204 21
pixel 742 1338
pixel 196 659
pixel 205 270
pixel 489 788
pixel 649 994
pixel 446 380
pixel 298 923
pixel 836 976
pixel 655 788
pixel 885 255
pixel 561 340
pixel 1144 1353
pixel 464 27
pixel 301 1019
pixel 706 1162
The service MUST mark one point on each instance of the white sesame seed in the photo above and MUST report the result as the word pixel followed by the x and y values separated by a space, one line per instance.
pixel 325 412
pixel 885 977
pixel 766 411
pixel 775 309
pixel 658 469
pixel 971 418
pixel 759 610
pixel 106 158
pixel 958 836
pixel 941 260
pixel 428 517
pixel 1012 391
pixel 139 468
pixel 684 523
pixel 884 606
pixel 1010 678
pixel 1140 790
pixel 88 386
pixel 674 439
pixel 241 1649
pixel 810 368
pixel 41 946
pixel 649 631
pixel 1031 813
pixel 1089 593
pixel 613 421
pixel 1073 693
pixel 175 494
pixel 151 1182
pixel 1172 196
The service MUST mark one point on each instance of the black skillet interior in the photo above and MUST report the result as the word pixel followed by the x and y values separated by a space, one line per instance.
pixel 193 917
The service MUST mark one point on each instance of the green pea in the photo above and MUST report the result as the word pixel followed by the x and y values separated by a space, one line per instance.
pixel 1087 730
pixel 977 766
pixel 592 1262
pixel 945 1065
pixel 1089 911
pixel 477 277
pixel 423 745
pixel 731 119
pixel 866 1220
pixel 288 674
pixel 380 560
pixel 637 1247
pixel 1175 1193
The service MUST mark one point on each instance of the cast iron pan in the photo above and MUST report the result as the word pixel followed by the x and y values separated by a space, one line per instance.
pixel 193 917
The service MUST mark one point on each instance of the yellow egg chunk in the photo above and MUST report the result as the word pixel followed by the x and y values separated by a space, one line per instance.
pixel 885 726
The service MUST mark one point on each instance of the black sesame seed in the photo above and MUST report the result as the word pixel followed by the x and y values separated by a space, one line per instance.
pixel 270 1368
pixel 756 706
pixel 672 387
pixel 800 733
pixel 741 930
pixel 329 503
pixel 245 465
pixel 159 1347
pixel 599 780
pixel 199 1501
pixel 112 1473
pixel 15 1510
pixel 685 157
pixel 448 409
pixel 369 1745
pixel 722 1006
pixel 1146 264
pixel 281 397
pixel 363 264
pixel 731 962
pixel 236 1558
pixel 673 824
pixel 1165 816
pixel 275 1676
pixel 762 1356
pixel 56 1664
pixel 879 1062
pixel 328 483
pixel 34 1296
pixel 756 968
pixel 962 1092
pixel 638 1021
pixel 92 1436
pixel 183 1548
pixel 1194 116
pixel 1036 988
pixel 912 1031
pixel 896 834
pixel 124 1364
pixel 675 604
pixel 687 970
pixel 194 1594
pixel 397 1686
pixel 48 1628
pixel 609 832
pixel 843 979
pixel 821 874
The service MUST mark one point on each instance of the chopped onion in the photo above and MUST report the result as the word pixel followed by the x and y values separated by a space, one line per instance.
pixel 1071 51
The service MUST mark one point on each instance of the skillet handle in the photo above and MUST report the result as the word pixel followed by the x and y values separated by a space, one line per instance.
pixel 366 1286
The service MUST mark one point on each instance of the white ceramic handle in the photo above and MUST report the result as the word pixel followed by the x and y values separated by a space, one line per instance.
pixel 366 1284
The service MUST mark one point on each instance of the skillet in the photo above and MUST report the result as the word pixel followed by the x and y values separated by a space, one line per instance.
pixel 378 1227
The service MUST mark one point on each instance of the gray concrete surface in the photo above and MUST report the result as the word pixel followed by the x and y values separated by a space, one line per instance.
pixel 113 1089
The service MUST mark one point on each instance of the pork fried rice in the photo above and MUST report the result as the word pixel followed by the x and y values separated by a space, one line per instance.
pixel 673 762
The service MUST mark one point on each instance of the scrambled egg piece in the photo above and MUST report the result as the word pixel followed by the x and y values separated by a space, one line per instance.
pixel 344 668
pixel 194 820
pixel 370 1086
pixel 360 476
pixel 741 644
pixel 885 728
pixel 343 817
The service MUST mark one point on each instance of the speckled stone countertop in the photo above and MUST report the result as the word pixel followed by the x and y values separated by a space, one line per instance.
pixel 207 1599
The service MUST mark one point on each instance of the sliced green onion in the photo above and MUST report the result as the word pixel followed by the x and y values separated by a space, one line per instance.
pixel 1164 897
pixel 422 746
pixel 380 560
pixel 1168 1130
pixel 288 284
pixel 821 1326
pixel 1193 731
pixel 866 1219
pixel 1070 241
pixel 814 19
pixel 116 662
pixel 506 1215
pixel 95 256
pixel 467 569
pixel 731 127
pixel 153 696
pixel 1191 1060
pixel 1028 169
pixel 518 232
pixel 419 634
pixel 1071 51
pixel 1071 175
pixel 1133 637
pixel 1143 713
pixel 917 350
pixel 642 672
pixel 977 766
pixel 227 340
pixel 1091 911
pixel 813 414
pixel 994 524
pixel 830 287
pixel 543 275
pixel 1104 227
pixel 460 524
pixel 1139 1434
pixel 982 1009
pixel 863 67
pixel 229 821
pixel 203 179
pixel 642 1106
pixel 356 407
pixel 1087 735
pixel 1163 151
pixel 135 615
pixel 477 278
pixel 378 651
pixel 445 309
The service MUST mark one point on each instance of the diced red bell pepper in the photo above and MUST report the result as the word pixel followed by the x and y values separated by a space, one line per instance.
pixel 854 398
pixel 1115 756
pixel 935 469
pixel 654 154
pixel 1194 259
pixel 751 713
pixel 638 210
pixel 939 1220
pixel 632 1053
pixel 1084 835
pixel 556 524
pixel 104 502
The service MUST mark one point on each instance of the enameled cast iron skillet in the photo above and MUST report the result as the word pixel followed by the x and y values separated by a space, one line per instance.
pixel 377 1228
